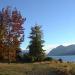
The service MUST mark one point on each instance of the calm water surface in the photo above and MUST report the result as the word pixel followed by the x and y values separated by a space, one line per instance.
pixel 70 58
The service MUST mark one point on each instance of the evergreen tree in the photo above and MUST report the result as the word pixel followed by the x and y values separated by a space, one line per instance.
pixel 36 44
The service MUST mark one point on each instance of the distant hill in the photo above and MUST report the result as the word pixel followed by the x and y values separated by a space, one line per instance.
pixel 24 51
pixel 62 50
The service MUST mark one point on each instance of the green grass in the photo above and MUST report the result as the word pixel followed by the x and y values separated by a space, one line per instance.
pixel 43 68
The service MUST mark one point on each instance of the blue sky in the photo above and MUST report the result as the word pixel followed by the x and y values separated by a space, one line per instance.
pixel 57 18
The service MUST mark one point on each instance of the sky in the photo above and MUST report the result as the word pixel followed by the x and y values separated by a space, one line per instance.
pixel 57 18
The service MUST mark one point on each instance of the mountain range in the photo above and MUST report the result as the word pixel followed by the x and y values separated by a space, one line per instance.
pixel 24 51
pixel 62 50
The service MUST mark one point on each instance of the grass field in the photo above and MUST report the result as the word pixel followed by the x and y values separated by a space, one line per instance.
pixel 42 68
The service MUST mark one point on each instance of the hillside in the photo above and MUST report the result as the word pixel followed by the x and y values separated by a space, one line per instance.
pixel 62 50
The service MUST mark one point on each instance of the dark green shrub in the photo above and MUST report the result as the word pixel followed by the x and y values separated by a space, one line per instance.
pixel 60 60
pixel 28 58
pixel 32 58
pixel 48 59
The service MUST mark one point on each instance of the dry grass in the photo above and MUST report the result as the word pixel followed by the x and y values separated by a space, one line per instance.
pixel 42 68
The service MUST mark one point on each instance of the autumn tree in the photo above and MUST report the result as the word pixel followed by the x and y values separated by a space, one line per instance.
pixel 36 43
pixel 1 36
pixel 11 33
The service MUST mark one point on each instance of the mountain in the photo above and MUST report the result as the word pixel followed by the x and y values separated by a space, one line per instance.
pixel 62 50
pixel 24 51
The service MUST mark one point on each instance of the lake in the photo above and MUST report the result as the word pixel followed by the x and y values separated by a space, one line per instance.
pixel 70 58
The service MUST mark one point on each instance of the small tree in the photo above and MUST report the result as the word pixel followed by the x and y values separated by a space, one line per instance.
pixel 36 43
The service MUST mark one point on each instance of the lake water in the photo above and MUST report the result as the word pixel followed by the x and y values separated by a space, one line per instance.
pixel 70 58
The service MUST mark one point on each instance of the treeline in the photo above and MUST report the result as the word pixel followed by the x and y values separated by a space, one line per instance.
pixel 12 35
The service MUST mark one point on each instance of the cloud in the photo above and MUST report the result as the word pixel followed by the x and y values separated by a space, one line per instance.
pixel 49 47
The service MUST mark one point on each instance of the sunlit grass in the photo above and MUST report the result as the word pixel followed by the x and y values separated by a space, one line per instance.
pixel 42 68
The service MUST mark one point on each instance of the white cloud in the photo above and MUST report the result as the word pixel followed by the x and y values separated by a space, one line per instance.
pixel 66 43
pixel 49 47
